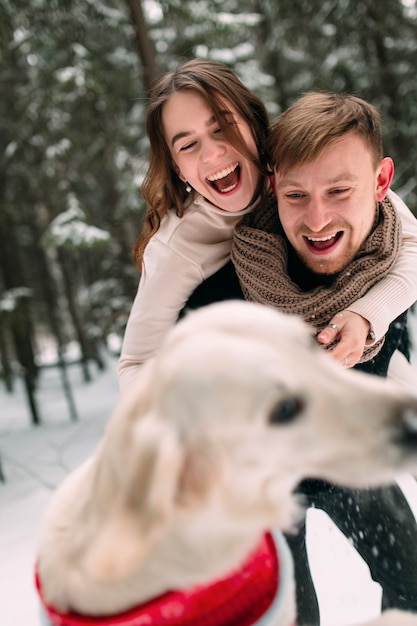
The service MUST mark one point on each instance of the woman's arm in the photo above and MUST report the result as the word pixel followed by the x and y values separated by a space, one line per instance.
pixel 397 292
pixel 177 258
pixel 165 284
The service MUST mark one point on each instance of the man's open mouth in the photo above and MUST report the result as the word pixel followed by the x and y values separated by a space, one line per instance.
pixel 225 180
pixel 323 243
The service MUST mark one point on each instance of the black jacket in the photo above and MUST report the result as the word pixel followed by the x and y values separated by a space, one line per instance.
pixel 224 285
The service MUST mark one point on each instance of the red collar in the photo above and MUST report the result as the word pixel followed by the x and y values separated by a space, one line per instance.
pixel 239 599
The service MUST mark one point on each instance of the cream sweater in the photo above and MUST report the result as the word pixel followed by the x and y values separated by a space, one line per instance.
pixel 185 251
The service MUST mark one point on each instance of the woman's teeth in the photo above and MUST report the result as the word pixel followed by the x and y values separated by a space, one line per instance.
pixel 225 180
pixel 222 173
pixel 229 188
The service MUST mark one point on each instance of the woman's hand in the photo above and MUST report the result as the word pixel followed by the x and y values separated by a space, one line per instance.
pixel 351 331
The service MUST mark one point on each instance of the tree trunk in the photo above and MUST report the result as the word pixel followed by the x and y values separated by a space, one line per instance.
pixel 50 298
pixel 68 280
pixel 24 351
pixel 6 366
pixel 144 45
pixel 2 474
pixel 20 327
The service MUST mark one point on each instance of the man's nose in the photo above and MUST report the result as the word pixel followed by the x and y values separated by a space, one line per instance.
pixel 317 215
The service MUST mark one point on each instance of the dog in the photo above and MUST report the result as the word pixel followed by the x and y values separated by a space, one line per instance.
pixel 200 458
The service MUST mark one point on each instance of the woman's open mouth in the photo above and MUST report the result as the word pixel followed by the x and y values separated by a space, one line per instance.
pixel 323 244
pixel 225 180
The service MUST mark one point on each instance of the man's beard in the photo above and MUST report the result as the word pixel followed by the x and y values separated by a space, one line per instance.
pixel 306 277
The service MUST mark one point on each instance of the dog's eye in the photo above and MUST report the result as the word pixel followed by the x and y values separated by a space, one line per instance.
pixel 286 410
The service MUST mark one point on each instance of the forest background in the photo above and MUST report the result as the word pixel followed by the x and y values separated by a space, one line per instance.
pixel 75 77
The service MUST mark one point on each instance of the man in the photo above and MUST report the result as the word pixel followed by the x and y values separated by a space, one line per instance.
pixel 337 235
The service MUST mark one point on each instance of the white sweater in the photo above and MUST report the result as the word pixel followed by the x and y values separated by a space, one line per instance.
pixel 185 251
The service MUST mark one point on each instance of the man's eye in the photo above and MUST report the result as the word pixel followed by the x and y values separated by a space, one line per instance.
pixel 340 190
pixel 294 195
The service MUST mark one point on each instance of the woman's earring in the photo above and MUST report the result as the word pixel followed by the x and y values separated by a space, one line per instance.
pixel 187 187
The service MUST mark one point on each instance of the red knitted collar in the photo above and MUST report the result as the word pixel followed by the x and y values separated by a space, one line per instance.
pixel 239 599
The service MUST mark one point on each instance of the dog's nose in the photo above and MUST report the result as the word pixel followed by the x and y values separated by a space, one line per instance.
pixel 409 423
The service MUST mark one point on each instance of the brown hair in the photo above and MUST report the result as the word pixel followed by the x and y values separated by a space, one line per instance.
pixel 162 189
pixel 315 121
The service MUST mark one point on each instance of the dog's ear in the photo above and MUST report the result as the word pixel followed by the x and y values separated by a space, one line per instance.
pixel 157 471
pixel 170 470
pixel 142 501
pixel 200 471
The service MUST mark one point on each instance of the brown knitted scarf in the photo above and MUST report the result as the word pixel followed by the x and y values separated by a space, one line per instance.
pixel 259 253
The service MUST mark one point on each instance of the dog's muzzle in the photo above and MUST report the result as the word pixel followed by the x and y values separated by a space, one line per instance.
pixel 408 434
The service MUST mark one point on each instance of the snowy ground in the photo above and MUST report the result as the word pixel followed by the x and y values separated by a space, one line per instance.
pixel 36 459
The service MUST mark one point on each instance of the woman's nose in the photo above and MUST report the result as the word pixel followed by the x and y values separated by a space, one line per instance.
pixel 212 149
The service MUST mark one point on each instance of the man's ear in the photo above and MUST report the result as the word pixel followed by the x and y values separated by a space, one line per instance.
pixel 385 175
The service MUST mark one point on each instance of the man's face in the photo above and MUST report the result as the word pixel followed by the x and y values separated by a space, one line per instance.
pixel 327 207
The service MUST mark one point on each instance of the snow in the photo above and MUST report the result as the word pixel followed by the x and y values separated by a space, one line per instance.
pixel 35 460
pixel 70 227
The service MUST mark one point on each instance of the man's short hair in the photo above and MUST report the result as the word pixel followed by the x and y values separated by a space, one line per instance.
pixel 316 121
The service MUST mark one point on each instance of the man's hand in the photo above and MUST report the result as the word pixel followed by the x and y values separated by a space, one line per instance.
pixel 351 331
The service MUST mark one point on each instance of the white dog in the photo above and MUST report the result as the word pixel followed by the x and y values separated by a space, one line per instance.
pixel 201 457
